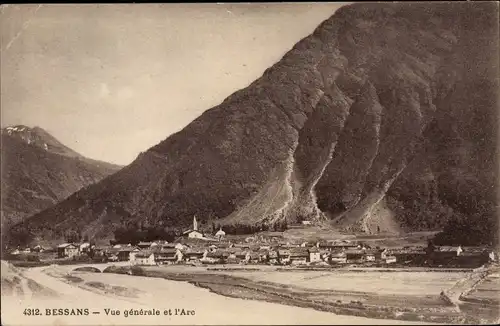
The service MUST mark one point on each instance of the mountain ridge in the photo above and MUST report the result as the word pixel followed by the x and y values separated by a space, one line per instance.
pixel 38 171
pixel 329 133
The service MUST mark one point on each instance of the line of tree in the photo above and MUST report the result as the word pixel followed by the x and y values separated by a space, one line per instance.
pixel 134 235
pixel 469 231
pixel 241 229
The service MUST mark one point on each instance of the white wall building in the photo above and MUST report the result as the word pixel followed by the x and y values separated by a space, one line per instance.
pixel 144 259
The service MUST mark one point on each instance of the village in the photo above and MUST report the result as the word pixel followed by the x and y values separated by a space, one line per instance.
pixel 196 248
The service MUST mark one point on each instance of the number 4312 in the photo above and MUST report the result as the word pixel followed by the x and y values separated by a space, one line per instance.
pixel 32 312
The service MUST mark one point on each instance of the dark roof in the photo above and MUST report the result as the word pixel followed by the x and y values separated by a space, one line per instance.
pixel 407 251
pixel 113 250
pixel 127 249
pixel 194 252
pixel 338 254
pixel 447 248
pixel 242 245
pixel 144 254
pixel 217 254
pixel 296 252
pixel 164 255
pixel 254 255
pixel 167 251
pixel 355 251
pixel 475 249
pixel 472 253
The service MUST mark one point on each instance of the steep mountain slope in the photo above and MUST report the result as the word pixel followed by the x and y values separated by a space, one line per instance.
pixel 38 171
pixel 381 120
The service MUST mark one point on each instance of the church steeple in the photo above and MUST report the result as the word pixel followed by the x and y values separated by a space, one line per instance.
pixel 195 224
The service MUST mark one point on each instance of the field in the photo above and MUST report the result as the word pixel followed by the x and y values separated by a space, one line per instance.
pixel 382 283
pixel 317 233
pixel 487 291
pixel 484 298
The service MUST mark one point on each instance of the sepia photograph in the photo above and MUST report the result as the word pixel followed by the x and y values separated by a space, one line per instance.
pixel 250 163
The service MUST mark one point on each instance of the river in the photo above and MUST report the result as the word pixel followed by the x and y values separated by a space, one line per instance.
pixel 200 306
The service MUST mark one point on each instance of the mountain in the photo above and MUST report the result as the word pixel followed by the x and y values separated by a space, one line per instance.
pixel 38 171
pixel 382 120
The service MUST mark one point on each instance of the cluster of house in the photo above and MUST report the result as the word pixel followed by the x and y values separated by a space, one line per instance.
pixel 194 251
pixel 194 247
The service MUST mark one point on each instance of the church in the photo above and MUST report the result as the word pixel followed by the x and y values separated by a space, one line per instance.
pixel 194 233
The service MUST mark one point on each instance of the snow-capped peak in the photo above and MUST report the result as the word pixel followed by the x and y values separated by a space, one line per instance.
pixel 28 135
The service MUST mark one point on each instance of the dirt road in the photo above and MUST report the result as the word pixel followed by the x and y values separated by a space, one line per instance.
pixel 165 296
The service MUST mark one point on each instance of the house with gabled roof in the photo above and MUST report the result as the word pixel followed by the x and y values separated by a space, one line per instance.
pixel 273 257
pixel 146 257
pixel 355 256
pixel 405 255
pixel 338 257
pixel 215 257
pixel 144 244
pixel 299 256
pixel 193 254
pixel 168 256
pixel 372 255
pixel 314 255
pixel 236 256
pixel 127 253
pixel 69 250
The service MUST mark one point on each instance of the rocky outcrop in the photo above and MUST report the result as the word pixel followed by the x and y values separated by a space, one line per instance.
pixel 356 126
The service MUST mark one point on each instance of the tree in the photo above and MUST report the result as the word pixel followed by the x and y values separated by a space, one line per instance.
pixel 430 246
pixel 72 236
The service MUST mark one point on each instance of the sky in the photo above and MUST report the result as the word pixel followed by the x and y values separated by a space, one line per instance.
pixel 110 81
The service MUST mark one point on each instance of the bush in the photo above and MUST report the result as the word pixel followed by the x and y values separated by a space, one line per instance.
pixel 32 258
pixel 74 279
pixel 22 257
pixel 87 269
pixel 29 263
pixel 117 269
pixel 98 285
pixel 138 271
pixel 81 258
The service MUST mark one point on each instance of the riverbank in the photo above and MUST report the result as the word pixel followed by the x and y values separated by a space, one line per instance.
pixel 403 306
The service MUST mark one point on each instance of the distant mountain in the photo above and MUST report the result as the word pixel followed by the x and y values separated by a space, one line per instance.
pixel 382 120
pixel 38 171
pixel 40 138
